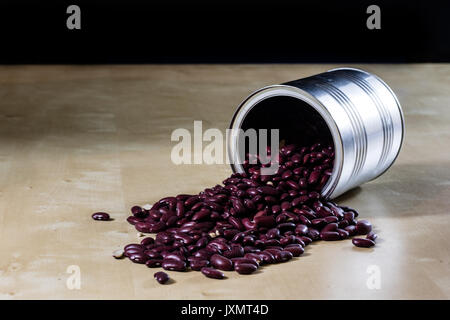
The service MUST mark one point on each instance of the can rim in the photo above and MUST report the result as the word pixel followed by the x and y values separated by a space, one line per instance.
pixel 277 90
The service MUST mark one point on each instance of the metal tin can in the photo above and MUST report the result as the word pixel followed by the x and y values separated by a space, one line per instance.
pixel 356 109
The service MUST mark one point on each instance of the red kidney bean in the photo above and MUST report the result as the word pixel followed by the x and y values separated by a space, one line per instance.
pixel 201 214
pixel 355 213
pixel 363 227
pixel 351 230
pixel 202 242
pixel 286 205
pixel 138 257
pixel 203 254
pixel 323 211
pixel 191 201
pixel 281 218
pixel 236 223
pixel 248 224
pixel 306 212
pixel 318 223
pixel 217 246
pixel 314 234
pixel 264 221
pixel 314 177
pixel 301 230
pixel 255 257
pixel 175 256
pixel 152 254
pixel 296 251
pixel 221 262
pixel 343 223
pixel 212 273
pixel 273 233
pixel 330 227
pixel 286 174
pixel 241 260
pixel 285 255
pixel 343 233
pixel 372 236
pixel 153 263
pixel 101 216
pixel 183 197
pixel 148 240
pixel 158 226
pixel 143 227
pixel 272 242
pixel 287 240
pixel 133 220
pixel 291 217
pixel 173 265
pixel 305 221
pixel 349 216
pixel 286 226
pixel 164 237
pixel 249 204
pixel 266 190
pixel 237 251
pixel 180 209
pixel 130 252
pixel 275 253
pixel 266 257
pixel 184 238
pixel 293 185
pixel 306 240
pixel 330 235
pixel 298 240
pixel 138 212
pixel 161 277
pixel 197 265
pixel 133 246
pixel 251 249
pixel 245 268
pixel 364 243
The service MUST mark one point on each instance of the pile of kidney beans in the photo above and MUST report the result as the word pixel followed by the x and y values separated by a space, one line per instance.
pixel 249 221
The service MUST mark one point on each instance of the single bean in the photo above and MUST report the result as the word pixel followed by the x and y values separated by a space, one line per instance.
pixel 173 265
pixel 363 227
pixel 101 216
pixel 161 277
pixel 212 273
pixel 245 268
pixel 221 262
pixel 364 243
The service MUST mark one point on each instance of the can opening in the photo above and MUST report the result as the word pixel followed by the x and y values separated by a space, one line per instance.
pixel 296 116
pixel 297 121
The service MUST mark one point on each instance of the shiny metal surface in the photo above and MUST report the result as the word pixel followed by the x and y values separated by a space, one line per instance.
pixel 362 113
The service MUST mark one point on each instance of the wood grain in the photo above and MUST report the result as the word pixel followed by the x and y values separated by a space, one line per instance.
pixel 79 139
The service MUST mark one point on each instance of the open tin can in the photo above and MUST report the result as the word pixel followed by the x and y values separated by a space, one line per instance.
pixel 354 109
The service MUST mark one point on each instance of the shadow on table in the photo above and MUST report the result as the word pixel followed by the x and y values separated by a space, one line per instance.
pixel 405 190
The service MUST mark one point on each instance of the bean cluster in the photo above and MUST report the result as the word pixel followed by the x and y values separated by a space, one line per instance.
pixel 250 220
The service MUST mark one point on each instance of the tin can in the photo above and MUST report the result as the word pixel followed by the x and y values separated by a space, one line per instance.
pixel 357 110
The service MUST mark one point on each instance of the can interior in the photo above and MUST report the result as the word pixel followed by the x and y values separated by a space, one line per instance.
pixel 297 121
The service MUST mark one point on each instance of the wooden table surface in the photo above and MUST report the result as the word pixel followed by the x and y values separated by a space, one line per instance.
pixel 80 139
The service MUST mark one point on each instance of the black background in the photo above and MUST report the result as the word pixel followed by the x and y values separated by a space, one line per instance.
pixel 223 31
pixel 278 309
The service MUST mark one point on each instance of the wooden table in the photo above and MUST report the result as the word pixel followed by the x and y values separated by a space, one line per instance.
pixel 80 139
